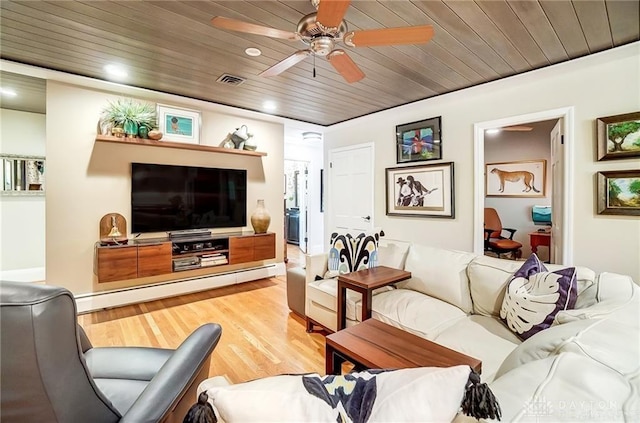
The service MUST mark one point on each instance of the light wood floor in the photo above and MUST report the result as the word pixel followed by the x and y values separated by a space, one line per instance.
pixel 260 336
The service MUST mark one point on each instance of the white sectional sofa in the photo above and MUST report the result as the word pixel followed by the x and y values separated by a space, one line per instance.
pixel 585 367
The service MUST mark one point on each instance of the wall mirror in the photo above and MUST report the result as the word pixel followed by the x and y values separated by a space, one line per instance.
pixel 22 175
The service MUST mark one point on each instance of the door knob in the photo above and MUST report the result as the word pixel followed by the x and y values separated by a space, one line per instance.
pixel 367 218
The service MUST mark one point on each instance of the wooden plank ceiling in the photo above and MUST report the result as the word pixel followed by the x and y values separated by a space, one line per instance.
pixel 171 46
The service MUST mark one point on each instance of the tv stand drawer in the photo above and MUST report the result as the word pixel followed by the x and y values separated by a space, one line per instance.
pixel 249 248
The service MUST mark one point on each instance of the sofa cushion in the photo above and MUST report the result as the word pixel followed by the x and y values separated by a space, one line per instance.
pixel 611 294
pixel 488 277
pixel 325 291
pixel 415 312
pixel 534 296
pixel 484 338
pixel 392 253
pixel 351 252
pixel 372 396
pixel 439 273
pixel 610 343
pixel 567 388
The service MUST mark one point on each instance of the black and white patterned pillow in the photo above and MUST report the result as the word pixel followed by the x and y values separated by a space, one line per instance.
pixel 350 253
pixel 368 396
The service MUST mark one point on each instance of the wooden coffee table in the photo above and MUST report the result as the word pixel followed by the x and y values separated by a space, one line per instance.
pixel 365 281
pixel 373 344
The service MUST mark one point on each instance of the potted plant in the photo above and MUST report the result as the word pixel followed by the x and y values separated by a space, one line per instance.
pixel 130 115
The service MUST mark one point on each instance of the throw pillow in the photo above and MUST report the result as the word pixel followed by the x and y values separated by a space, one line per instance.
pixel 420 394
pixel 349 253
pixel 534 296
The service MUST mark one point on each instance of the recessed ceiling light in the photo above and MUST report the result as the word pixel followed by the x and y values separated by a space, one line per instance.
pixel 253 52
pixel 269 105
pixel 8 92
pixel 116 71
pixel 493 131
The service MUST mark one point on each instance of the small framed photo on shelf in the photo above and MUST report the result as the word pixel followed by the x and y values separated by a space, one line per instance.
pixel 178 124
pixel 619 136
pixel 420 191
pixel 619 192
pixel 516 179
pixel 419 141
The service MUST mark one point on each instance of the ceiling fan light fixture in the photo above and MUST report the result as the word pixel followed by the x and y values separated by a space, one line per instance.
pixel 322 46
pixel 492 131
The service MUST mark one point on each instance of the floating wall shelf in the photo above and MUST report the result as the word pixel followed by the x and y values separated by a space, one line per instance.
pixel 179 145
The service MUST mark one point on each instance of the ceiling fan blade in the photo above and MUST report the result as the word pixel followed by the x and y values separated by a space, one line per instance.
pixel 518 128
pixel 345 66
pixel 389 36
pixel 331 12
pixel 285 64
pixel 241 26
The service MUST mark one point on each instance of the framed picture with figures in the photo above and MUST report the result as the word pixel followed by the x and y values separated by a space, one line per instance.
pixel 421 191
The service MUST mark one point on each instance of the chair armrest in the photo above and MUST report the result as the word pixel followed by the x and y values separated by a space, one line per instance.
pixel 511 232
pixel 175 377
pixel 316 264
pixel 487 233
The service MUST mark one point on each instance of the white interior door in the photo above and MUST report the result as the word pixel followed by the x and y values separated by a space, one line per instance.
pixel 303 195
pixel 350 190
pixel 557 193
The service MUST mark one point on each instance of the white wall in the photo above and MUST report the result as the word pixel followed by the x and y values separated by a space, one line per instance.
pixel 22 218
pixel 599 85
pixel 516 212
pixel 88 179
pixel 311 152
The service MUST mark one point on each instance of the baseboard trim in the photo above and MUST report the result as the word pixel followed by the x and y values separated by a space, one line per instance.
pixel 107 299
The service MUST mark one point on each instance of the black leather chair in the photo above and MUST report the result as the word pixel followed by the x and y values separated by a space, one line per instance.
pixel 51 373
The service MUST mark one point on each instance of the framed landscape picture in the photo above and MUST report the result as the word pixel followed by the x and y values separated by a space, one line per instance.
pixel 420 191
pixel 516 179
pixel 619 192
pixel 619 136
pixel 178 124
pixel 419 141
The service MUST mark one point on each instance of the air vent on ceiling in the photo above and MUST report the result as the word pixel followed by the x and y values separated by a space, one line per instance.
pixel 230 79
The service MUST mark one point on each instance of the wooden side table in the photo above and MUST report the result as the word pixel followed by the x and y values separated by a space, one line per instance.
pixel 538 239
pixel 376 345
pixel 364 282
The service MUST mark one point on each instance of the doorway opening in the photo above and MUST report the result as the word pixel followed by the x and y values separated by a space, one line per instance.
pixel 296 202
pixel 556 151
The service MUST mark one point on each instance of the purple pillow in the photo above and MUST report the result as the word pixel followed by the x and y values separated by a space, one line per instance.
pixel 534 296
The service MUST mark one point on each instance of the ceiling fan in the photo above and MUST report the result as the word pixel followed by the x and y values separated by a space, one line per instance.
pixel 321 31
pixel 517 128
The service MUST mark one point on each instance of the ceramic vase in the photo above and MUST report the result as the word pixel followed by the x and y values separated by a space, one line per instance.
pixel 250 144
pixel 130 128
pixel 143 132
pixel 260 218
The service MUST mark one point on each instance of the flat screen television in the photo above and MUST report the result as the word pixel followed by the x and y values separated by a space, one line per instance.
pixel 177 198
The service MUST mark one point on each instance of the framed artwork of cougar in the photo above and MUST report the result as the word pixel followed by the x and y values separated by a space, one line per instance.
pixel 516 179
pixel 421 191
